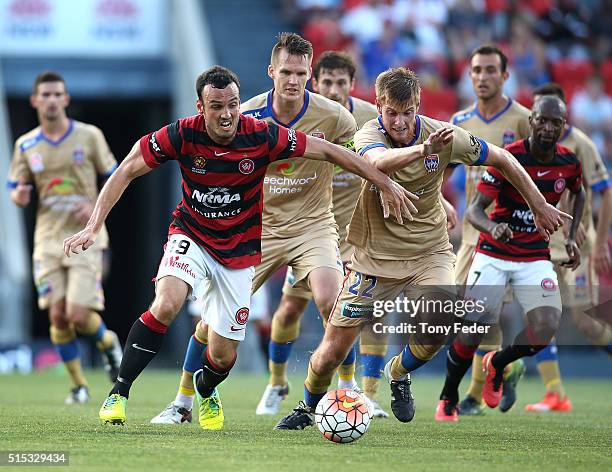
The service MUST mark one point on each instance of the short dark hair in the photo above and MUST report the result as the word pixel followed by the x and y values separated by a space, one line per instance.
pixel 294 44
pixel 550 88
pixel 488 49
pixel 47 76
pixel 398 86
pixel 217 76
pixel 334 60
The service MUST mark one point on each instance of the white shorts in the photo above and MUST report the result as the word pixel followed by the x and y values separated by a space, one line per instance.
pixel 224 293
pixel 260 305
pixel 534 283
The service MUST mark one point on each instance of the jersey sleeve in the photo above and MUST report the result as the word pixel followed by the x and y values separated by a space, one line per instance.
pixel 162 145
pixel 284 143
pixel 19 170
pixel 368 138
pixel 467 148
pixel 491 183
pixel 594 171
pixel 104 160
pixel 346 127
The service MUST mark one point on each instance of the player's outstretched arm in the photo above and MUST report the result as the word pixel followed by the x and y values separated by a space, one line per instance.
pixel 132 166
pixel 547 218
pixel 477 216
pixel 391 193
pixel 391 160
pixel 576 203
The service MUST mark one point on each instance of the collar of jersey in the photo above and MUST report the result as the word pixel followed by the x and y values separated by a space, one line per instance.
pixel 566 134
pixel 270 110
pixel 494 117
pixel 66 134
pixel 350 100
pixel 417 131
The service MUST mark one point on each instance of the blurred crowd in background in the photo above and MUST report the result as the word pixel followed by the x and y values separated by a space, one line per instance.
pixel 566 41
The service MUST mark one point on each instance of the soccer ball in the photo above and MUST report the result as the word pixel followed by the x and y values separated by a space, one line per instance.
pixel 342 415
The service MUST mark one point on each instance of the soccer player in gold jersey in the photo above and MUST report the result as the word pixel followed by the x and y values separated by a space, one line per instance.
pixel 390 257
pixel 298 226
pixel 579 288
pixel 61 160
pixel 499 120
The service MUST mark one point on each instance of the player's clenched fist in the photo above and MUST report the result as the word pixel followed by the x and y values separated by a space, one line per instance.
pixel 501 232
pixel 22 194
pixel 84 238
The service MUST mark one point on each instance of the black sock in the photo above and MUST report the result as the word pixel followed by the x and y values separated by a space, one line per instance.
pixel 457 364
pixel 147 335
pixel 211 377
pixel 521 347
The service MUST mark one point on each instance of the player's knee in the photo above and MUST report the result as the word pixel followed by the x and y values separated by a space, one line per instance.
pixel 289 311
pixel 547 325
pixel 58 318
pixel 222 359
pixel 165 308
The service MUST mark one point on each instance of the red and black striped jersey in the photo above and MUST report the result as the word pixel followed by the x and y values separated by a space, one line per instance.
pixel 552 178
pixel 222 184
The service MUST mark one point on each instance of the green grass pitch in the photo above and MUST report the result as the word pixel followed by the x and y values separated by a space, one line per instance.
pixel 33 417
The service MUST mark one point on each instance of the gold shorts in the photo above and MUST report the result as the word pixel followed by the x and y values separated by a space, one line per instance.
pixel 78 278
pixel 578 288
pixel 355 305
pixel 465 254
pixel 302 254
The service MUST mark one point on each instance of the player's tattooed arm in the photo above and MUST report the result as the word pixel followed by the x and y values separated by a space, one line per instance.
pixel 133 166
pixel 477 216
pixel 547 218
pixel 576 203
pixel 391 193
pixel 392 160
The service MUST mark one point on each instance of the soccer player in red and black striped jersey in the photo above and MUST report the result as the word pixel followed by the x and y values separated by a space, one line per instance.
pixel 214 240
pixel 510 250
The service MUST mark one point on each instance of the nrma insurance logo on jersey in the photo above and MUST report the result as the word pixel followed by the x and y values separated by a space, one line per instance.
pixel 214 200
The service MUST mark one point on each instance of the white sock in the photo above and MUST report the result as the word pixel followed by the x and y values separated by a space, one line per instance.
pixel 350 384
pixel 184 401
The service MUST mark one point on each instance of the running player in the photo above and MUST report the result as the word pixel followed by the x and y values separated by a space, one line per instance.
pixel 61 159
pixel 214 239
pixel 579 288
pixel 390 256
pixel 500 120
pixel 511 251
pixel 298 225
pixel 334 78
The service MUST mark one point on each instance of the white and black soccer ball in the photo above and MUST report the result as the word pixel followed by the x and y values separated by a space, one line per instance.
pixel 342 415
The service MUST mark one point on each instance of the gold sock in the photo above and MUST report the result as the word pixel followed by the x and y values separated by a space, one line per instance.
pixel 316 383
pixel 186 385
pixel 551 376
pixel 346 372
pixel 278 373
pixel 76 372
pixel 370 386
pixel 397 369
